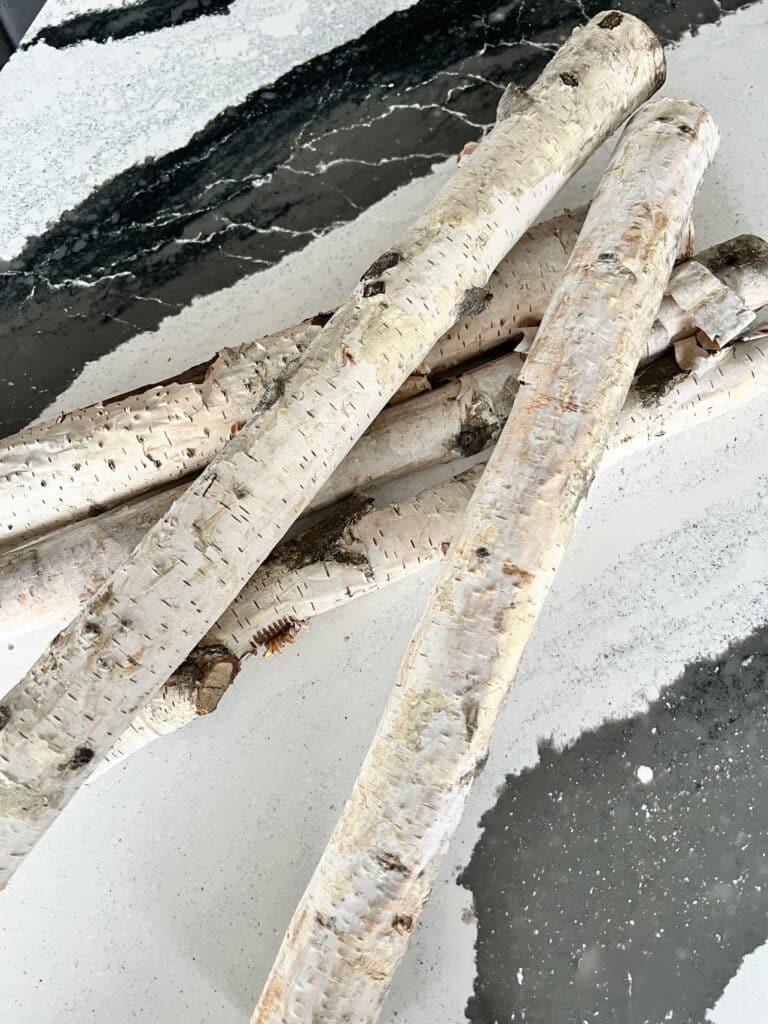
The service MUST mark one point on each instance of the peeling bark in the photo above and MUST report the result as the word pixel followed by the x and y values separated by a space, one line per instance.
pixel 118 652
pixel 346 937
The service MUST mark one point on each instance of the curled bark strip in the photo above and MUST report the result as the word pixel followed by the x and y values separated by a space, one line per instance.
pixel 119 651
pixel 463 416
pixel 343 946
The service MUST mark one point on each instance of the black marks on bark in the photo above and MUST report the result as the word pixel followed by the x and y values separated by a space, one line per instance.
pixel 325 541
pixel 373 288
pixel 568 79
pixel 320 319
pixel 474 301
pixel 471 710
pixel 611 20
pixel 386 261
pixel 273 390
pixel 92 628
pixel 482 552
pixel 473 438
pixel 81 757
pixel 5 716
pixel 391 862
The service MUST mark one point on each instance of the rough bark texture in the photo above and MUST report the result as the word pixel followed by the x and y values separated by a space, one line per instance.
pixel 352 925
pixel 69 709
pixel 461 417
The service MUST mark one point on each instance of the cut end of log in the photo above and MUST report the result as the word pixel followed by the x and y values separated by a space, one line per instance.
pixel 207 672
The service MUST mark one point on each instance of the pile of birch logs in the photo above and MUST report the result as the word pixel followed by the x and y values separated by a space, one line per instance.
pixel 156 521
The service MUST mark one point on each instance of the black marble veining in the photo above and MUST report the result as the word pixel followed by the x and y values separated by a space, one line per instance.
pixel 600 898
pixel 121 22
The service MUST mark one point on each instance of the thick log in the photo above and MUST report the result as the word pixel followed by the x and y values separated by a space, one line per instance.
pixel 66 713
pixel 352 925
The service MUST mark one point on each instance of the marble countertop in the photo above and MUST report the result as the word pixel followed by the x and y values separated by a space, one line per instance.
pixel 182 176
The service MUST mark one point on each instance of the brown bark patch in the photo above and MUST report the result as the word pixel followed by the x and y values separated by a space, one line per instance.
pixel 611 20
pixel 514 570
pixel 391 862
pixel 403 924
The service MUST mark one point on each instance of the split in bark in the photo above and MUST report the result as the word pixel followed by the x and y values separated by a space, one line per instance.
pixel 83 692
pixel 351 927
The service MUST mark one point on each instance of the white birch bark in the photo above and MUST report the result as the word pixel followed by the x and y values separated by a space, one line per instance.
pixel 69 709
pixel 351 927
pixel 50 578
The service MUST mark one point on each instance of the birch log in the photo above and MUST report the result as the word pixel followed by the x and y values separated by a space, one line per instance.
pixel 62 718
pixel 352 925
pixel 361 549
pixel 49 579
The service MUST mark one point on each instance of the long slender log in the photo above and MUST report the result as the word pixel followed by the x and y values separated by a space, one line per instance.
pixel 359 549
pixel 66 713
pixel 49 579
pixel 351 927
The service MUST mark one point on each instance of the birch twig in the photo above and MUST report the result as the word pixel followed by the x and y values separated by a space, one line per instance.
pixel 351 927
pixel 61 719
